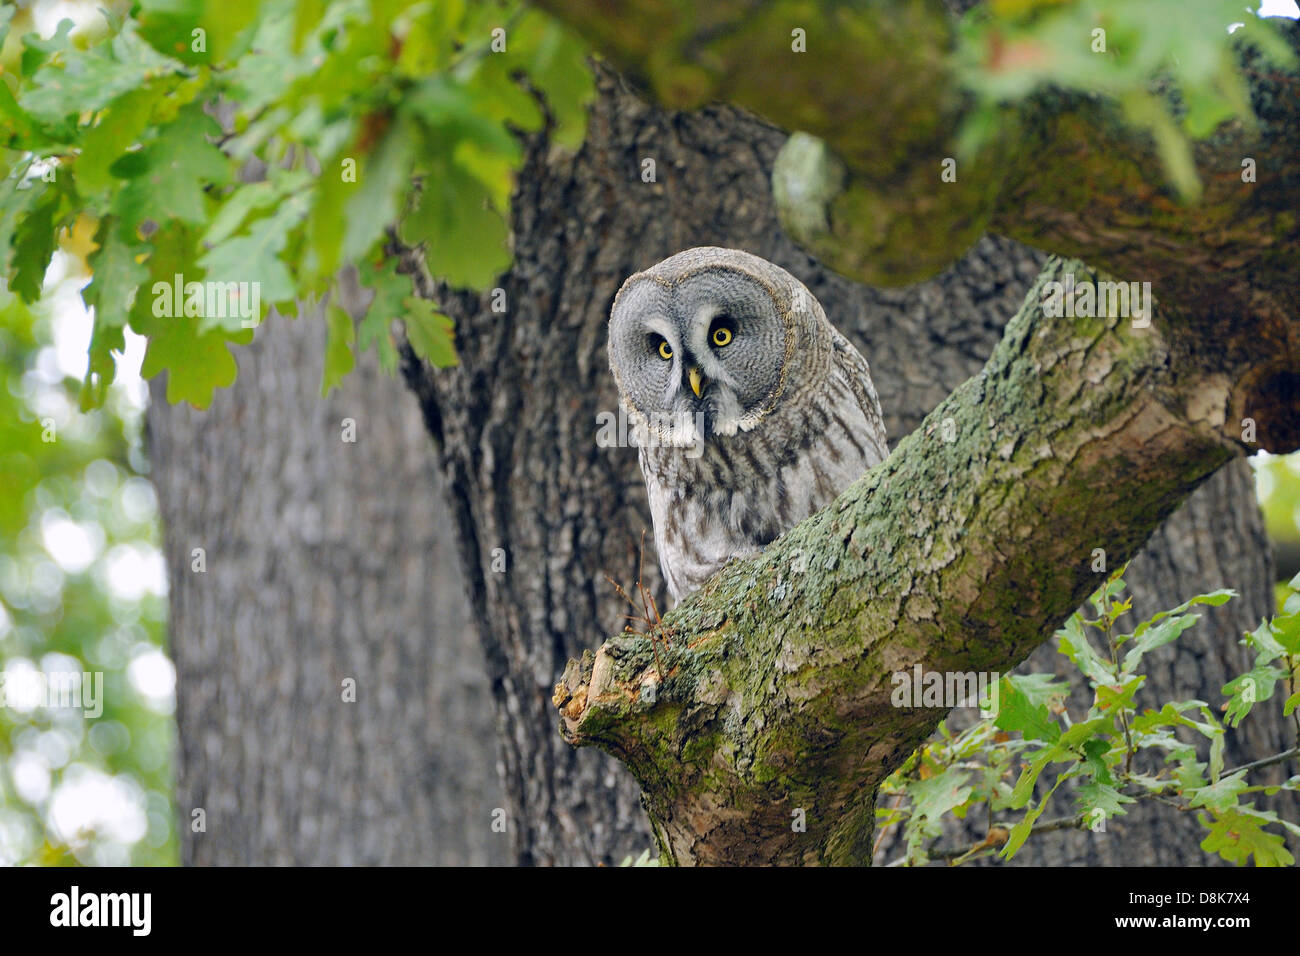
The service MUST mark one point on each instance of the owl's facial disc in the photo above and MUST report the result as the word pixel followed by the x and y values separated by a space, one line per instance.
pixel 701 355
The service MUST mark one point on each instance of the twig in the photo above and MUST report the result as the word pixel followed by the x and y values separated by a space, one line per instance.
pixel 647 613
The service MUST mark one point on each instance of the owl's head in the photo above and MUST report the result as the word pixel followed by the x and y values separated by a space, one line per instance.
pixel 708 337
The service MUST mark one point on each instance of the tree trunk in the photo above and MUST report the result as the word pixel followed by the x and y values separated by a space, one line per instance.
pixel 326 562
pixel 517 426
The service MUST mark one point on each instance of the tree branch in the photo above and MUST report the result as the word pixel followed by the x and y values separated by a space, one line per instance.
pixel 955 555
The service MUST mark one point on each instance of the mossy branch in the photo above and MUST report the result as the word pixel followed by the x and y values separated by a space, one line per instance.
pixel 773 724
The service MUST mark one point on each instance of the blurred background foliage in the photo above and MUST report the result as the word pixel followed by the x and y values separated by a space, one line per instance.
pixel 82 590
pixel 1277 480
pixel 82 583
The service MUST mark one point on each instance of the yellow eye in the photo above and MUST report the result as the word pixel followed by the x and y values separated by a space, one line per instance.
pixel 721 336
pixel 665 350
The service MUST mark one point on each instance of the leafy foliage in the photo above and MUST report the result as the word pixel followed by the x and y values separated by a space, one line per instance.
pixel 1012 763
pixel 274 143
pixel 1130 53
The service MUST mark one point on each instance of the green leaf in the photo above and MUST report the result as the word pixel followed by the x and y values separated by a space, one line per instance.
pixel 254 257
pixel 1210 598
pixel 1073 643
pixel 1101 728
pixel 1256 685
pixel 936 796
pixel 339 358
pixel 1163 633
pixel 391 290
pixel 120 126
pixel 37 51
pixel 556 63
pixel 34 244
pixel 383 182
pixel 253 197
pixel 1020 832
pixel 1096 795
pixel 1237 834
pixel 464 235
pixel 1286 629
pixel 22 129
pixel 170 27
pixel 197 363
pixel 1024 788
pixel 1022 706
pixel 79 81
pixel 1111 700
pixel 430 333
pixel 1095 752
pixel 1168 716
pixel 169 176
pixel 1220 795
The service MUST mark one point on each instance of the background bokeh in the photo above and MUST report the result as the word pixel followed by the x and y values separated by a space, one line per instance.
pixel 82 590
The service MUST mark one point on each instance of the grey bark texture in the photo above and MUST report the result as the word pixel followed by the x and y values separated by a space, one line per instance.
pixel 326 561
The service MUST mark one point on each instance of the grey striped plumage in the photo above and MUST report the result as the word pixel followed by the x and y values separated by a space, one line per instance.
pixel 781 418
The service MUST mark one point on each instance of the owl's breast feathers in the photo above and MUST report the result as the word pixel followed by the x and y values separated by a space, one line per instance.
pixel 742 491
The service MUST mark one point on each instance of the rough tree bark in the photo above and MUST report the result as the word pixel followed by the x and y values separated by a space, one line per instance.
pixel 325 561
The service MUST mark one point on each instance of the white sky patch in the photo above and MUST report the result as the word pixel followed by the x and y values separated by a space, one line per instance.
pixel 89 801
pixel 135 571
pixel 72 324
pixel 46 15
pixel 57 747
pixel 154 678
pixel 73 545
pixel 1279 8
pixel 20 672
pixel 1264 484
pixel 31 777
pixel 17 836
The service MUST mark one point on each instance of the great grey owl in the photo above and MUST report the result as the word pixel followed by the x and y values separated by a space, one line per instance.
pixel 752 412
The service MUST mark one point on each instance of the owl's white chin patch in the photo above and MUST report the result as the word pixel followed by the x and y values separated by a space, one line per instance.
pixel 742 424
pixel 661 429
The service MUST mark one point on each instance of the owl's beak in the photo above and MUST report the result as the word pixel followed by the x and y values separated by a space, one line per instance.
pixel 697 380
